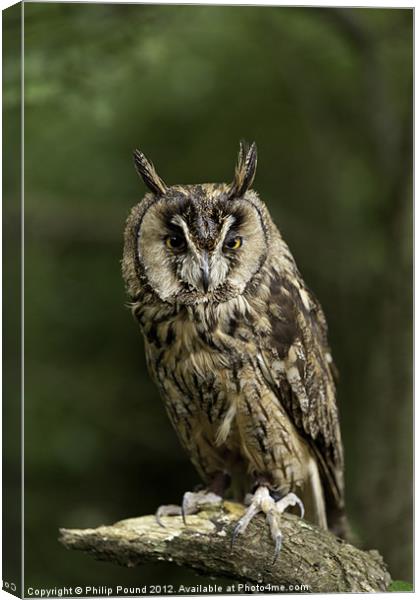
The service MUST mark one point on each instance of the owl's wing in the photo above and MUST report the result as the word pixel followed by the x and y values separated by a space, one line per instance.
pixel 298 366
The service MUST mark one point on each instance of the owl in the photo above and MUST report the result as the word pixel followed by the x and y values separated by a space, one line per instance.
pixel 237 345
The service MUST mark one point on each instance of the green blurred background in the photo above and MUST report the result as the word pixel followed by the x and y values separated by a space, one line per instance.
pixel 327 95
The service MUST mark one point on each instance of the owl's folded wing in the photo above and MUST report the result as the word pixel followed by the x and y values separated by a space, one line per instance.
pixel 299 368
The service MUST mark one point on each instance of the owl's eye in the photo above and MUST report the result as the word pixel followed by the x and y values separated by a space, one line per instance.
pixel 175 242
pixel 233 243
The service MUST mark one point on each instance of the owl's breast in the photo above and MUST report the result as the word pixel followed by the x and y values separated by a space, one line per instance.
pixel 196 368
pixel 218 399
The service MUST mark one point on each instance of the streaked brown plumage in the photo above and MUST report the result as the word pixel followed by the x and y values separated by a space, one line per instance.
pixel 235 341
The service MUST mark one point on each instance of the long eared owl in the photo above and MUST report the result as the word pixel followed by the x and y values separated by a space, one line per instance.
pixel 237 345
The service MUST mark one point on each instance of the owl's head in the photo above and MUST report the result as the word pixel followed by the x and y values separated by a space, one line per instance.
pixel 196 243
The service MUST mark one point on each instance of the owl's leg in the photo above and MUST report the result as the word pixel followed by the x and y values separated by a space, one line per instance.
pixel 193 502
pixel 263 502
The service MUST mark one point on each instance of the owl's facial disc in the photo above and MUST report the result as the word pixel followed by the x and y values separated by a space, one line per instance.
pixel 197 247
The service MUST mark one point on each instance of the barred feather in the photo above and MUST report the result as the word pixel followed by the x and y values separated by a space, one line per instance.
pixel 245 169
pixel 148 173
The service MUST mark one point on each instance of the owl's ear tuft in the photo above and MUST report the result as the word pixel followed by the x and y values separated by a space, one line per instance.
pixel 147 172
pixel 245 169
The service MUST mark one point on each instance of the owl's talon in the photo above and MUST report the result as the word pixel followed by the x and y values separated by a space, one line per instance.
pixel 290 500
pixel 263 502
pixel 167 510
pixel 184 508
pixel 279 542
pixel 188 507
pixel 234 534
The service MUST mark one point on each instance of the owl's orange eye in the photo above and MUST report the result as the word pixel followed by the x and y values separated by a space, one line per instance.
pixel 175 242
pixel 233 243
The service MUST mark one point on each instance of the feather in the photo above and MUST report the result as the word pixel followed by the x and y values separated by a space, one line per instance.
pixel 307 359
pixel 147 172
pixel 245 169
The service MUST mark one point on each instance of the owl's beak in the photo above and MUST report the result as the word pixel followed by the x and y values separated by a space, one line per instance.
pixel 205 272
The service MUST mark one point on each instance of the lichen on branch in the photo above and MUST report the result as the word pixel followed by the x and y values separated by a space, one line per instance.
pixel 309 556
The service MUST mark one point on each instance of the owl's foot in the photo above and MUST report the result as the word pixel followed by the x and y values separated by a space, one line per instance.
pixel 192 503
pixel 262 502
pixel 167 510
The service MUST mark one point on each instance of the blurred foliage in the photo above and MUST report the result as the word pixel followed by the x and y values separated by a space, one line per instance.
pixel 327 95
pixel 400 586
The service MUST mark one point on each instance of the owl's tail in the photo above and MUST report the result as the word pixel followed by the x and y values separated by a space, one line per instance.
pixel 324 502
pixel 332 483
